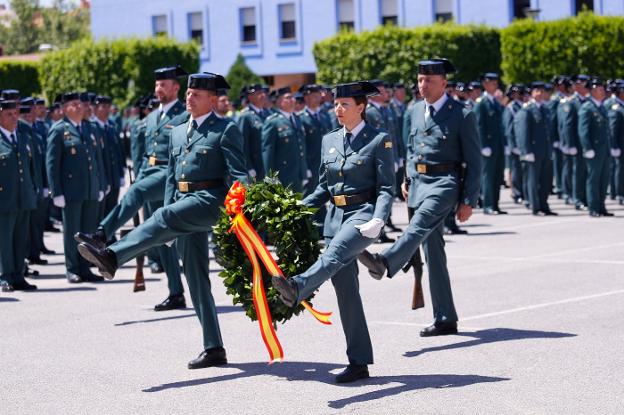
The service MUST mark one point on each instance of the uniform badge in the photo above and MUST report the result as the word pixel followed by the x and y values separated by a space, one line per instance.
pixel 66 135
pixel 388 144
pixel 615 107
pixel 73 151
pixel 332 150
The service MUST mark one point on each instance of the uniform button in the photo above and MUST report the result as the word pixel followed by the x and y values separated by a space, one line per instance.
pixel 19 162
pixel 69 175
pixel 301 154
pixel 155 144
pixel 1 189
pixel 186 151
pixel 21 180
pixel 183 176
pixel 184 163
pixel 90 168
pixel 339 175
pixel 285 162
pixel 420 157
pixel 89 158
pixel 21 170
pixel 422 144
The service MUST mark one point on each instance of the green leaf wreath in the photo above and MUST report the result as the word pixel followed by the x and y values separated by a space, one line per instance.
pixel 279 217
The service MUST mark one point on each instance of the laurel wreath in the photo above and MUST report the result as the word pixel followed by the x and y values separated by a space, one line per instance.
pixel 279 217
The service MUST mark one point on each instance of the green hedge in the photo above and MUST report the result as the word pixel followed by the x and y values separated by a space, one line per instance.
pixel 121 68
pixel 392 53
pixel 20 75
pixel 587 44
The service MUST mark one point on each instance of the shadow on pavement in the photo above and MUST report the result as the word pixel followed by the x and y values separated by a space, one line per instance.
pixel 220 310
pixel 492 336
pixel 128 281
pixel 60 290
pixel 320 372
pixel 8 300
pixel 491 233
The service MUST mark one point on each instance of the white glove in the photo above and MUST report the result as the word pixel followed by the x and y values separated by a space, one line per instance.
pixel 401 161
pixel 122 135
pixel 530 157
pixel 371 229
pixel 100 196
pixel 396 167
pixel 589 154
pixel 252 173
pixel 572 151
pixel 555 144
pixel 170 243
pixel 564 150
pixel 122 181
pixel 507 151
pixel 108 189
pixel 304 182
pixel 486 151
pixel 616 152
pixel 516 151
pixel 45 192
pixel 59 201
pixel 308 174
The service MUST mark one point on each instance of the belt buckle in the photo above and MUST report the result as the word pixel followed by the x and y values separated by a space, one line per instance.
pixel 183 187
pixel 152 161
pixel 421 168
pixel 340 200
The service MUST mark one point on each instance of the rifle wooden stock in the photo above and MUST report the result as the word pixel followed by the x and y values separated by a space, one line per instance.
pixel 418 299
pixel 139 279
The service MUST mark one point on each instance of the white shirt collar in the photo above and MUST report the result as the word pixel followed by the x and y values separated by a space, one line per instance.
pixel 286 114
pixel 437 106
pixel 8 133
pixel 100 122
pixel 490 97
pixel 166 107
pixel 538 103
pixel 318 109
pixel 28 123
pixel 199 120
pixel 356 130
pixel 598 103
pixel 73 123
pixel 255 109
pixel 375 104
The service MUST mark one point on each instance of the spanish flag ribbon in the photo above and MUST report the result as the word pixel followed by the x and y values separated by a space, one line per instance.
pixel 253 246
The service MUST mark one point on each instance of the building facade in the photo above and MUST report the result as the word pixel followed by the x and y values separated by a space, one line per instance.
pixel 276 36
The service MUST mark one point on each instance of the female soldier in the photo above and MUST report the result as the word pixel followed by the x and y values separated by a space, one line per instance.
pixel 357 177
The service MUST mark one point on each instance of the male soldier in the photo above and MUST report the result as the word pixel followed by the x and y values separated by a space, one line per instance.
pixel 204 152
pixel 223 104
pixel 149 187
pixel 137 133
pixel 562 85
pixel 113 154
pixel 328 105
pixel 616 127
pixel 443 137
pixel 17 198
pixel 55 113
pixel 250 123
pixel 514 92
pixel 573 161
pixel 283 143
pixel 474 92
pixel 594 138
pixel 74 177
pixel 531 128
pixel 489 113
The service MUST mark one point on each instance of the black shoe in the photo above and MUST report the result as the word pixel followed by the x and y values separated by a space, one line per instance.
pixel 375 264
pixel 455 230
pixel 517 200
pixel 6 287
pixel 287 289
pixel 385 239
pixel 73 278
pixel 50 228
pixel 352 373
pixel 37 261
pixel 549 213
pixel 104 259
pixel 393 228
pixel 23 286
pixel 96 239
pixel 501 212
pixel 439 329
pixel 209 357
pixel 173 302
pixel 46 251
pixel 580 206
pixel 156 268
pixel 91 277
pixel 605 213
pixel 490 211
pixel 30 272
pixel 594 214
pixel 536 213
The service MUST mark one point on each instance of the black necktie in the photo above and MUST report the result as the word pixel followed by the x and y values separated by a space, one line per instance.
pixel 191 130
pixel 431 111
pixel 13 138
pixel 347 140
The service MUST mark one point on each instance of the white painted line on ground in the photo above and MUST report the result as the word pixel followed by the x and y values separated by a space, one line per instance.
pixel 536 259
pixel 536 306
pixel 578 250
pixel 401 323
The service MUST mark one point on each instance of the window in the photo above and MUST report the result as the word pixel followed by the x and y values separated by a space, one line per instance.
pixel 248 23
pixel 389 13
pixel 520 7
pixel 346 15
pixel 443 10
pixel 196 27
pixel 582 5
pixel 159 25
pixel 287 21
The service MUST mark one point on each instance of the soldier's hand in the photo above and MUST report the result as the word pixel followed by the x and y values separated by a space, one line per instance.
pixel 100 196
pixel 122 182
pixel 616 152
pixel 589 154
pixel 404 190
pixel 464 212
pixel 59 201
pixel 486 151
pixel 45 192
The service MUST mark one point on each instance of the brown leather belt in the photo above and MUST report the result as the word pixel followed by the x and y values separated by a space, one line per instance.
pixel 357 199
pixel 186 187
pixel 437 168
pixel 153 161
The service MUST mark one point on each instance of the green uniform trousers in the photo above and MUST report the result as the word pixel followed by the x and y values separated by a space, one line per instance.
pixel 78 217
pixel 13 245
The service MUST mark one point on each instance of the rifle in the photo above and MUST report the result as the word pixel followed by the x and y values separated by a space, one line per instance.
pixel 418 300
pixel 139 279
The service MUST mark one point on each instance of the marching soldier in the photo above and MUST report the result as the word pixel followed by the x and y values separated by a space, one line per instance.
pixel 137 133
pixel 594 139
pixel 149 187
pixel 204 152
pixel 489 114
pixel 561 84
pixel 250 123
pixel 531 128
pixel 74 177
pixel 17 198
pixel 357 177
pixel 283 143
pixel 514 92
pixel 443 138
pixel 475 90
pixel 616 124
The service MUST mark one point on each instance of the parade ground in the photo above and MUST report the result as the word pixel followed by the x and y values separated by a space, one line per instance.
pixel 540 301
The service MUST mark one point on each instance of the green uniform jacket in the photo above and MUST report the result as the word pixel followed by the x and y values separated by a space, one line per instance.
pixel 250 124
pixel 531 130
pixel 568 127
pixel 593 128
pixel 73 162
pixel 315 128
pixel 368 164
pixel 283 149
pixel 511 110
pixel 112 153
pixel 616 125
pixel 38 154
pixel 17 187
pixel 158 134
pixel 489 113
pixel 137 144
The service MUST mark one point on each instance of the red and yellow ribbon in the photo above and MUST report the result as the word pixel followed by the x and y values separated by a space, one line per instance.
pixel 253 246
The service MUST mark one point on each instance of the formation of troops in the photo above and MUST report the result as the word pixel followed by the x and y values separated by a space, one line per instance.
pixel 350 150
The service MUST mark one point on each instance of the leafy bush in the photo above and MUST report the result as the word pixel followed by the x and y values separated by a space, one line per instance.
pixel 240 75
pixel 23 76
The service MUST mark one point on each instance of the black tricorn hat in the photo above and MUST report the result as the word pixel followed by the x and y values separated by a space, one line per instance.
pixel 170 72
pixel 310 88
pixel 538 85
pixel 580 78
pixel 39 101
pixel 102 99
pixel 594 82
pixel 10 94
pixel 355 89
pixel 489 76
pixel 207 81
pixel 8 104
pixel 474 85
pixel 87 96
pixel 251 89
pixel 69 96
pixel 281 91
pixel 435 66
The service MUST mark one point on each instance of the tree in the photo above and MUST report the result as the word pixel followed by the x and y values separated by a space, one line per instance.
pixel 240 75
pixel 21 35
pixel 64 24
